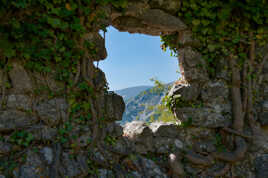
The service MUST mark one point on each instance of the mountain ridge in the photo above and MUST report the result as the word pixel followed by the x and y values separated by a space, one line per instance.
pixel 130 92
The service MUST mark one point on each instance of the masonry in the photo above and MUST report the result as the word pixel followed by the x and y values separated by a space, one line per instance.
pixel 43 133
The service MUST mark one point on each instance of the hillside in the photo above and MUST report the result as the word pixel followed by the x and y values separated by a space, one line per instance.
pixel 146 105
pixel 130 92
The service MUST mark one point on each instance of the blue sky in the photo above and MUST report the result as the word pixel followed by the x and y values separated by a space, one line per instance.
pixel 134 58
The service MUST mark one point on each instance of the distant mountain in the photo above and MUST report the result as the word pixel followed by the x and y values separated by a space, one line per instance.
pixel 128 93
pixel 145 105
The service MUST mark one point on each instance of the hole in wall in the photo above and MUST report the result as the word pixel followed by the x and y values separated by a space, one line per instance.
pixel 135 63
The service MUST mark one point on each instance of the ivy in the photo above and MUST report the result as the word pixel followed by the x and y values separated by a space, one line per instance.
pixel 223 27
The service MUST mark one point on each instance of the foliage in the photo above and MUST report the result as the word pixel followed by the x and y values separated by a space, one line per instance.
pixel 48 36
pixel 21 138
pixel 223 28
pixel 161 111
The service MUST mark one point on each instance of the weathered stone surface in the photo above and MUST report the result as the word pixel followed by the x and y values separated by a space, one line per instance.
pixel 114 106
pixel 73 167
pixel 47 82
pixel 114 129
pixel 263 118
pixel 265 106
pixel 148 167
pixel 166 145
pixel 162 129
pixel 19 102
pixel 33 168
pixel 151 21
pixel 261 166
pixel 5 148
pixel 98 44
pixel 3 79
pixel 52 111
pixel 215 91
pixel 170 6
pixel 84 139
pixel 202 117
pixel 47 154
pixel 104 173
pixel 265 92
pixel 99 79
pixel 21 81
pixel 192 65
pixel 185 91
pixel 42 132
pixel 13 119
pixel 204 147
pixel 132 129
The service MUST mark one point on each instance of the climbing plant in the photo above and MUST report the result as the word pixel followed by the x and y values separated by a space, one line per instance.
pixel 50 37
pixel 235 32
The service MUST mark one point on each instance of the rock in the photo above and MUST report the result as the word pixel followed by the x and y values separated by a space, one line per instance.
pixel 175 165
pixel 99 158
pixel 187 92
pixel 134 128
pixel 85 139
pixel 12 119
pixel 204 147
pixel 265 106
pixel 99 79
pixel 170 6
pixel 52 111
pixel 161 129
pixel 44 83
pixel 261 166
pixel 21 81
pixel 5 148
pixel 192 65
pixel 104 173
pixel 114 106
pixel 47 154
pixel 33 168
pixel 73 167
pixel 265 91
pixel 2 176
pixel 150 21
pixel 135 174
pixel 215 92
pixel 166 145
pixel 263 118
pixel 147 167
pixel 19 102
pixel 3 79
pixel 201 117
pixel 119 171
pixel 44 133
pixel 144 141
pixel 121 147
pixel 97 44
pixel 114 129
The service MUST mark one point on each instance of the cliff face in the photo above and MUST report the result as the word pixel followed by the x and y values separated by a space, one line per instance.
pixel 44 132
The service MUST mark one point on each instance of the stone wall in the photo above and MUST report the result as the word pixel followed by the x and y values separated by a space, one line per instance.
pixel 34 122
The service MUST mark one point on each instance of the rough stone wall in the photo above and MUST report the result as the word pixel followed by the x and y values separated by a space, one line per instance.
pixel 31 116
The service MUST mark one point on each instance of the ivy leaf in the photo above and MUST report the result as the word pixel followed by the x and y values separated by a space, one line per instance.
pixel 54 22
pixel 9 52
pixel 196 22
pixel 211 47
